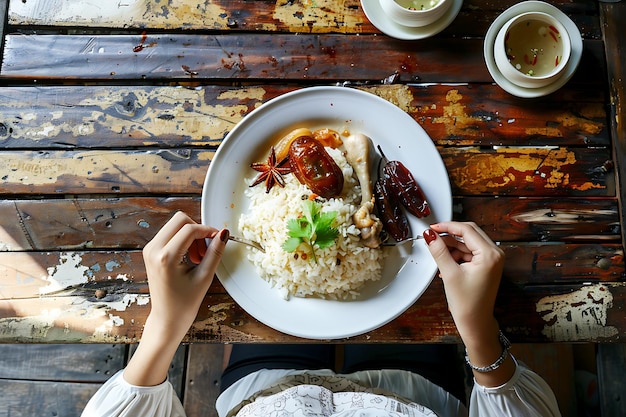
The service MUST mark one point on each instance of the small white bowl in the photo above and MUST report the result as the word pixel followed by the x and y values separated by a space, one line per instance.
pixel 415 13
pixel 532 49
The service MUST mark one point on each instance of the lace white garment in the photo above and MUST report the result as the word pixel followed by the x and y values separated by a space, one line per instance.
pixel 313 400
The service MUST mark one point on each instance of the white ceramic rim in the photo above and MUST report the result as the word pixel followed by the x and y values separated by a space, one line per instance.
pixel 575 41
pixel 405 276
pixel 512 73
pixel 375 14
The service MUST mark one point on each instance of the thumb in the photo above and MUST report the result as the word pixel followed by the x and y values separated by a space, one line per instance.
pixel 441 254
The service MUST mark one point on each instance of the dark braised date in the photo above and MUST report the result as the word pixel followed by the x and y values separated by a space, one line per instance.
pixel 390 213
pixel 402 183
pixel 315 168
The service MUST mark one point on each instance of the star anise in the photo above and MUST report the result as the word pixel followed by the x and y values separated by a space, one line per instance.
pixel 271 172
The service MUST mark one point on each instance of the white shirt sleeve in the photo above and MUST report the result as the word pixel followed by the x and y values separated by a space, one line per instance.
pixel 526 394
pixel 118 398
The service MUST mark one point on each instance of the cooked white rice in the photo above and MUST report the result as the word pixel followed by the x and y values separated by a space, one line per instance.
pixel 341 269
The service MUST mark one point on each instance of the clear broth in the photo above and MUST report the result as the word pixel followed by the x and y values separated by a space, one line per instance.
pixel 534 47
pixel 418 4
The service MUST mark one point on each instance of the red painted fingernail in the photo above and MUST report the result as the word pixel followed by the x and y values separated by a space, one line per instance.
pixel 429 235
pixel 224 235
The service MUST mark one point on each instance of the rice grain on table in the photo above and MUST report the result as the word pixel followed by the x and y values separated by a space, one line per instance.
pixel 341 269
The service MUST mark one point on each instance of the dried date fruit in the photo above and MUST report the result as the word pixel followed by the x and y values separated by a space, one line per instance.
pixel 395 222
pixel 402 183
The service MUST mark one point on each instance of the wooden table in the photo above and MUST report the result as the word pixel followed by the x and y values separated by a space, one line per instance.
pixel 110 113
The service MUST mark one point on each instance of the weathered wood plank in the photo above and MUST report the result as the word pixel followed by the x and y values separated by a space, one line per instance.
pixel 542 220
pixel 259 56
pixel 107 277
pixel 69 224
pixel 130 222
pixel 613 15
pixel 533 314
pixel 75 306
pixel 134 116
pixel 518 171
pixel 107 171
pixel 611 365
pixel 67 362
pixel 130 116
pixel 28 398
pixel 203 379
pixel 322 16
pixel 541 264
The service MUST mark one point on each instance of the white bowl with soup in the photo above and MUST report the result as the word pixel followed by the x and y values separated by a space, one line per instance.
pixel 415 13
pixel 532 49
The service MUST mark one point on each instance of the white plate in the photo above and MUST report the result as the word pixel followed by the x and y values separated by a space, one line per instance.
pixel 532 6
pixel 401 138
pixel 379 18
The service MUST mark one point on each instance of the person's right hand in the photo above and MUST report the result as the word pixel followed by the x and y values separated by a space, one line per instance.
pixel 471 271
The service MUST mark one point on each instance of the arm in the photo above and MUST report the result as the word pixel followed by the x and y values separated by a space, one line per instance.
pixel 471 271
pixel 471 274
pixel 176 291
pixel 177 288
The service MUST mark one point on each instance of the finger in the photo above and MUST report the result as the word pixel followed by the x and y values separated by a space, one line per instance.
pixel 206 269
pixel 169 230
pixel 461 256
pixel 473 236
pixel 182 241
pixel 197 251
pixel 441 254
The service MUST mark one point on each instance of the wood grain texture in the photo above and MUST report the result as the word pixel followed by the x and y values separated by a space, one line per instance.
pixel 69 363
pixel 203 379
pixel 27 398
pixel 557 312
pixel 133 100
pixel 611 365
pixel 127 222
pixel 318 58
pixel 64 117
pixel 306 16
pixel 473 171
pixel 178 171
pixel 612 15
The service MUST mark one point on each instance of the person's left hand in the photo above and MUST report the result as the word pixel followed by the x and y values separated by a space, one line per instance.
pixel 178 285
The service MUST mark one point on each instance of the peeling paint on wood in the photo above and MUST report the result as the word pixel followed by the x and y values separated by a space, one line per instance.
pixel 143 116
pixel 529 171
pixel 90 167
pixel 105 171
pixel 577 316
pixel 175 14
pixel 69 272
pixel 316 16
pixel 296 16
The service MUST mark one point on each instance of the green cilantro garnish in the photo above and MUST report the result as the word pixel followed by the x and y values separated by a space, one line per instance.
pixel 313 228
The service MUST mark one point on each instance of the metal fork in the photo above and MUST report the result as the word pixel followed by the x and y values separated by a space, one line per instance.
pixel 257 245
pixel 419 237
pixel 252 243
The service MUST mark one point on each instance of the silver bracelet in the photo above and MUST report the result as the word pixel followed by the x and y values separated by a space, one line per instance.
pixel 506 345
